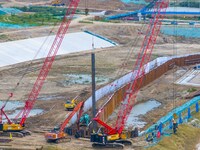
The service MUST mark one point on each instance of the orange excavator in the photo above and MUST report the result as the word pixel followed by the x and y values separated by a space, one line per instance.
pixel 58 135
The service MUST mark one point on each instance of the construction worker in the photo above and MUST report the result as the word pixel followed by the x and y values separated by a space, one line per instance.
pixel 175 125
pixel 149 137
pixel 158 135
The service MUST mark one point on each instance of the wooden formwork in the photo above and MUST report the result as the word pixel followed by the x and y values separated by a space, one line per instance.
pixel 154 74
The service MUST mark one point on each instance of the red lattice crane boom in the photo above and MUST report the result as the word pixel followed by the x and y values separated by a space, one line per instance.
pixel 29 103
pixel 49 60
pixel 139 69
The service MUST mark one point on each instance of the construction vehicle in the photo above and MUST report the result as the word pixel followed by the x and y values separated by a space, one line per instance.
pixel 84 120
pixel 57 135
pixel 116 137
pixel 70 105
pixel 57 3
pixel 18 127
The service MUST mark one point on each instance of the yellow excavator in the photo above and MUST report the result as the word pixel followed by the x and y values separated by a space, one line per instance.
pixel 70 105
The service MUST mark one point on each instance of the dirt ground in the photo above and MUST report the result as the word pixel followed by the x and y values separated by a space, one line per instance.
pixel 108 64
pixel 92 4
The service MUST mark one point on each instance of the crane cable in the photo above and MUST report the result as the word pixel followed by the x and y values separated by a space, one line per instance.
pixel 130 52
pixel 29 66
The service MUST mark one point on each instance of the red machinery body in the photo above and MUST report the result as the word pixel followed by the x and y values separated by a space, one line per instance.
pixel 139 68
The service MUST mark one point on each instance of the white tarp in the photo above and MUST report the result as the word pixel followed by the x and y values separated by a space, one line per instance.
pixel 24 50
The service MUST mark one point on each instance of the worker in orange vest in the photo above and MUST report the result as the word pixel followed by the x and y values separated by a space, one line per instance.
pixel 175 125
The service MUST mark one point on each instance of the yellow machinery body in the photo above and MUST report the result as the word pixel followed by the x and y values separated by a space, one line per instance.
pixel 11 127
pixel 117 136
pixel 113 137
pixel 71 105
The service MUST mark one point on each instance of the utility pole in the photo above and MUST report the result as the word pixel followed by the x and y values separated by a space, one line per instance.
pixel 93 87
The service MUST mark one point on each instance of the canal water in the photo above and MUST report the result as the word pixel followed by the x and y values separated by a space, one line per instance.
pixel 12 26
pixel 139 110
pixel 187 32
pixel 139 2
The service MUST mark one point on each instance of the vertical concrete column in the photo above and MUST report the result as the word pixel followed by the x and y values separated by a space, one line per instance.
pixel 197 107
pixel 189 113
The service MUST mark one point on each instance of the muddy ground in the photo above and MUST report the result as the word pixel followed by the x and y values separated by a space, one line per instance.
pixel 108 64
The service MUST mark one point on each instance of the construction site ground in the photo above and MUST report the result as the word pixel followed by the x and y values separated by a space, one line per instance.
pixel 108 64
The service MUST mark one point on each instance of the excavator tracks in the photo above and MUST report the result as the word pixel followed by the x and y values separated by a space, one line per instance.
pixel 63 140
pixel 117 144
pixel 108 145
pixel 20 134
pixel 124 142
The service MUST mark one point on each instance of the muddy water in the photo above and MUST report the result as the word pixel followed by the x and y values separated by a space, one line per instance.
pixel 72 79
pixel 51 97
pixel 140 110
pixel 12 108
pixel 11 105
pixel 32 113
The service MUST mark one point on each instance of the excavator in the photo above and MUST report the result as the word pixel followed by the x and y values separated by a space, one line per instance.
pixel 17 127
pixel 70 105
pixel 117 137
pixel 58 135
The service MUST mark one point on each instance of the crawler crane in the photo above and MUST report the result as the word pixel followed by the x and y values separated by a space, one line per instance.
pixel 18 127
pixel 115 137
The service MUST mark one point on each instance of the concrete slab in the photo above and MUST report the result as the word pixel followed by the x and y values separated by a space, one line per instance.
pixel 192 78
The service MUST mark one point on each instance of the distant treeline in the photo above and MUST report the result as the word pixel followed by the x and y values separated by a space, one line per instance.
pixel 56 11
